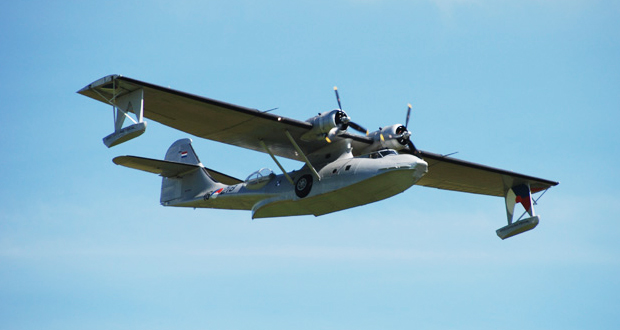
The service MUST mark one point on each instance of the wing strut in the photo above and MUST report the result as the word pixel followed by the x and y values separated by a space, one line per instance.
pixel 121 106
pixel 262 143
pixel 314 172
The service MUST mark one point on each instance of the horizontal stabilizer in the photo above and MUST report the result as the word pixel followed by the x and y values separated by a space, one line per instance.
pixel 169 169
pixel 162 167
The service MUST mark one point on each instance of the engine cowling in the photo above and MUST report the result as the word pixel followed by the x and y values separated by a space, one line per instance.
pixel 391 137
pixel 326 124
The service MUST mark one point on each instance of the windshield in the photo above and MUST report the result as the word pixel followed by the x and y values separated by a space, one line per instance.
pixel 387 152
pixel 380 154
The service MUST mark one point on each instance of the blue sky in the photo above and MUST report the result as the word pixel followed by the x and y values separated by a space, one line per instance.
pixel 530 86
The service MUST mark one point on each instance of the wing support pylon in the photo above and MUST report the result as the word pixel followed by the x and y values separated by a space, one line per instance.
pixel 518 194
pixel 122 105
pixel 301 153
pixel 288 178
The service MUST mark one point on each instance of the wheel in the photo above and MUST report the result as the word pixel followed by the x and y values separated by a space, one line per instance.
pixel 303 186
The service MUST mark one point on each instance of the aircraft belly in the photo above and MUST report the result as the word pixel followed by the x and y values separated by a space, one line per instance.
pixel 367 191
pixel 374 189
pixel 227 202
pixel 239 197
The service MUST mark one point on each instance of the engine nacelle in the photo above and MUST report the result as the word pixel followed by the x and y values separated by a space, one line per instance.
pixel 390 137
pixel 326 123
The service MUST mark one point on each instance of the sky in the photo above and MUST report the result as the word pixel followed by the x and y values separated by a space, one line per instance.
pixel 531 86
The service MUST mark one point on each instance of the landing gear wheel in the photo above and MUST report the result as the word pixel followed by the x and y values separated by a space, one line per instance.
pixel 303 186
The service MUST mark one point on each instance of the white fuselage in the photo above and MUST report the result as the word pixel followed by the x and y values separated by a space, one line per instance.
pixel 341 184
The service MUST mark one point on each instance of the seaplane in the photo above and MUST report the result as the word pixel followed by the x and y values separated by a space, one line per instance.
pixel 340 169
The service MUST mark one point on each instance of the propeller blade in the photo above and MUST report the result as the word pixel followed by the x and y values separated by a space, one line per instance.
pixel 346 120
pixel 408 113
pixel 412 147
pixel 331 134
pixel 337 97
pixel 358 128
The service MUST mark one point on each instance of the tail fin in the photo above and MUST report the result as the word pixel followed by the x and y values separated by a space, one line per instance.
pixel 186 187
pixel 185 179
pixel 182 152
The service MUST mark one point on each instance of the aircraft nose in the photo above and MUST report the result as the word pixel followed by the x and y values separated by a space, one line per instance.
pixel 421 166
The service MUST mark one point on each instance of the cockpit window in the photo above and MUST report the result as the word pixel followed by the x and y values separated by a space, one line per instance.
pixel 259 179
pixel 379 154
pixel 259 176
pixel 387 152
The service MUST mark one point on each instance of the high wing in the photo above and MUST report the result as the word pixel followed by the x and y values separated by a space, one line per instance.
pixel 212 119
pixel 306 141
pixel 458 175
pixel 250 128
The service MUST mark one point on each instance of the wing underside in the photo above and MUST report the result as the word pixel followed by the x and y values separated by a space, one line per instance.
pixel 211 119
pixel 458 175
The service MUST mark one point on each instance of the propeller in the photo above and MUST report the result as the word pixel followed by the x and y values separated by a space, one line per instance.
pixel 358 128
pixel 342 122
pixel 337 97
pixel 406 136
pixel 408 114
pixel 402 134
pixel 346 120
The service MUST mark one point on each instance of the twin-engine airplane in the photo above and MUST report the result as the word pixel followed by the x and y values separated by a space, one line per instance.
pixel 341 170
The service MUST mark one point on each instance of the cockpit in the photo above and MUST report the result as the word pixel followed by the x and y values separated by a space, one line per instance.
pixel 380 154
pixel 259 178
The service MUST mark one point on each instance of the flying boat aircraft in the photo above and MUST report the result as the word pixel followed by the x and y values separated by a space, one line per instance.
pixel 340 169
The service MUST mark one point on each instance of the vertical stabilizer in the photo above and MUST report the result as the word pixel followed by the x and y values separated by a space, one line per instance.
pixel 182 152
pixel 186 187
